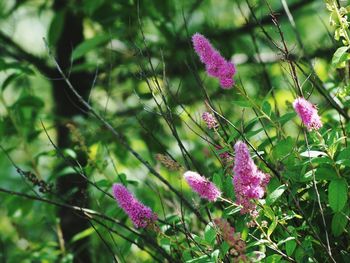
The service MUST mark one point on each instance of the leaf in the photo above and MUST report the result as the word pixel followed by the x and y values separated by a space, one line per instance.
pixel 340 56
pixel 256 256
pixel 290 247
pixel 202 259
pixel 286 117
pixel 344 154
pixel 272 197
pixel 23 68
pixel 285 240
pixel 65 171
pixel 89 44
pixel 269 212
pixel 311 154
pixel 325 173
pixel 258 243
pixel 217 180
pixel 90 6
pixel 339 222
pixel 29 101
pixel 283 148
pixel 9 80
pixel 56 27
pixel 272 227
pixel 242 103
pixel 215 255
pixel 85 233
pixel 231 210
pixel 266 107
pixel 338 194
pixel 210 234
pixel 273 259
pixel 103 183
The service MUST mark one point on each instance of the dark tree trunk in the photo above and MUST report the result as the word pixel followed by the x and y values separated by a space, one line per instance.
pixel 71 187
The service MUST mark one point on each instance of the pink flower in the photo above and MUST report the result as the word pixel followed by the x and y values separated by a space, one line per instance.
pixel 215 64
pixel 248 181
pixel 140 215
pixel 308 113
pixel 202 186
pixel 210 120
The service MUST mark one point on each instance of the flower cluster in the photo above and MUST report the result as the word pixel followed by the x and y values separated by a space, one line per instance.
pixel 141 215
pixel 210 120
pixel 215 64
pixel 238 246
pixel 225 157
pixel 202 186
pixel 249 182
pixel 308 113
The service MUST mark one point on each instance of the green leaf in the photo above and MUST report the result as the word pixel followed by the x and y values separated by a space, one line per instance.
pixel 89 44
pixel 215 255
pixel 21 67
pixel 338 194
pixel 217 180
pixel 258 243
pixel 85 233
pixel 202 259
pixel 210 234
pixel 339 222
pixel 290 247
pixel 103 183
pixel 56 27
pixel 90 6
pixel 29 101
pixel 273 259
pixel 285 240
pixel 231 210
pixel 272 227
pixel 65 171
pixel 325 173
pixel 266 107
pixel 286 117
pixel 272 197
pixel 242 103
pixel 283 148
pixel 269 212
pixel 340 56
pixel 9 80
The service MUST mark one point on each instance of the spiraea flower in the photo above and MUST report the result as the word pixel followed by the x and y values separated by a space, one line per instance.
pixel 202 186
pixel 308 113
pixel 216 65
pixel 225 156
pixel 249 182
pixel 141 215
pixel 237 244
pixel 210 120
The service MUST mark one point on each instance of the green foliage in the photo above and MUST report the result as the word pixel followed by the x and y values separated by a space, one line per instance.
pixel 145 81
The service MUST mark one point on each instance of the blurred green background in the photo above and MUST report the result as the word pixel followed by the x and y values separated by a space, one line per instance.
pixel 106 48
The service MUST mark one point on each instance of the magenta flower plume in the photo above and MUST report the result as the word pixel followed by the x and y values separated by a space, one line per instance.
pixel 308 113
pixel 140 215
pixel 215 64
pixel 210 120
pixel 202 186
pixel 248 181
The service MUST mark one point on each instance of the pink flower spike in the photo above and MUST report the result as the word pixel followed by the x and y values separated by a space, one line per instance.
pixel 202 186
pixel 216 65
pixel 308 113
pixel 210 120
pixel 249 182
pixel 141 215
